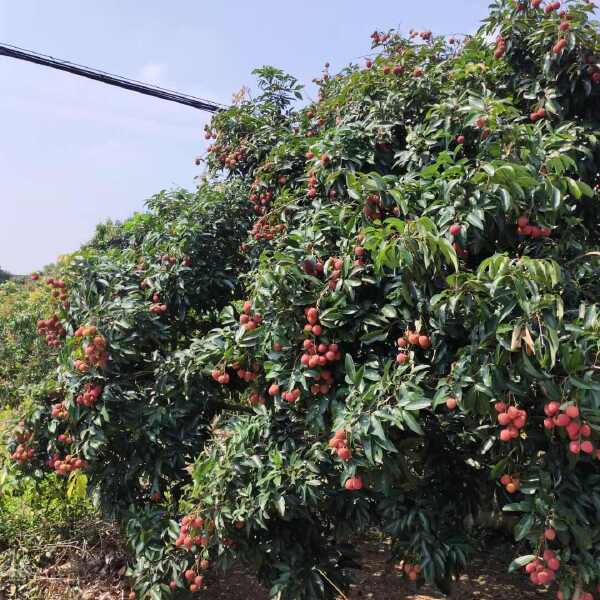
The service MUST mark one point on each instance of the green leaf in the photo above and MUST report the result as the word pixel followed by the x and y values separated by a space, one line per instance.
pixel 410 420
pixel 521 561
pixel 523 527
pixel 350 368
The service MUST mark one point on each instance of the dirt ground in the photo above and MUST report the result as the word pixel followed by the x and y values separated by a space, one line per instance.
pixel 487 579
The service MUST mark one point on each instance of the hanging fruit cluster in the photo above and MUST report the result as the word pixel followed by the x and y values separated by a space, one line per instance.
pixel 512 419
pixel 66 465
pixel 90 395
pixel 52 330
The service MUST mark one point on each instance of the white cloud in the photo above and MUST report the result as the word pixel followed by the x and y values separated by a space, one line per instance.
pixel 153 73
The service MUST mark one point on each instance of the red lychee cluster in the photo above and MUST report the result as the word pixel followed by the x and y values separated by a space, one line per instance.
pixel 220 376
pixel 542 570
pixel 23 453
pixel 168 259
pixel 424 35
pixel 559 46
pixel 90 395
pixel 255 399
pixel 59 411
pixel 59 292
pixel 578 431
pixel 532 231
pixel 339 443
pixel 65 438
pixel 593 69
pixel 260 200
pixel 227 156
pixel 194 580
pixel 451 403
pixel 67 465
pixel 336 272
pixel 538 114
pixel 411 338
pixel 95 349
pixel 551 7
pixel 511 484
pixel 312 192
pixel 354 483
pixel 325 378
pixel 455 230
pixel 193 531
pixel 410 570
pixel 396 70
pixel 247 320
pixel 481 122
pixel 359 253
pixel 512 419
pixel 209 133
pixel 245 374
pixel 379 38
pixel 23 436
pixel 52 329
pixel 262 230
pixel 157 308
pixel 374 207
pixel 292 395
pixel 312 317
pixel 500 49
pixel 313 267
pixel 319 355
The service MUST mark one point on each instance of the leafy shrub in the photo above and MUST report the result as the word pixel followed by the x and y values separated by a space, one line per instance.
pixel 407 337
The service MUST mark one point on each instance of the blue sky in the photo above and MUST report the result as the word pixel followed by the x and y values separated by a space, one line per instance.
pixel 74 152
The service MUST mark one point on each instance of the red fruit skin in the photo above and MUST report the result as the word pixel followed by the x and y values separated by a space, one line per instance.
pixel 504 419
pixel 424 342
pixel 559 46
pixel 344 453
pixel 460 139
pixel 402 358
pixel 413 339
pixel 451 403
pixel 554 564
pixel 572 411
pixel 587 447
pixel 455 229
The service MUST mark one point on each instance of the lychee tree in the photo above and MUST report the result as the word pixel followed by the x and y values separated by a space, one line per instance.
pixel 378 311
pixel 427 240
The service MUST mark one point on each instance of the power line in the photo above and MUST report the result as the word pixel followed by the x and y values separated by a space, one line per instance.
pixel 116 80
